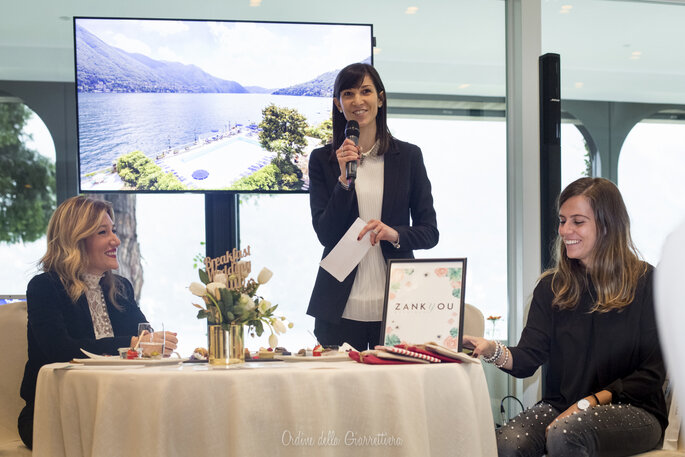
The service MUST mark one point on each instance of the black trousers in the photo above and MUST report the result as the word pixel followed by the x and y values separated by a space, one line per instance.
pixel 361 335
pixel 602 431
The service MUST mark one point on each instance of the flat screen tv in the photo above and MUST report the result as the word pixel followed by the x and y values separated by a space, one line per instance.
pixel 198 105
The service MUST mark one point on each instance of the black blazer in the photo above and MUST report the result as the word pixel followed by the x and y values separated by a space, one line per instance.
pixel 58 327
pixel 406 192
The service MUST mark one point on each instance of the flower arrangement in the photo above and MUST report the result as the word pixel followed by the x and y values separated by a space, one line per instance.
pixel 241 305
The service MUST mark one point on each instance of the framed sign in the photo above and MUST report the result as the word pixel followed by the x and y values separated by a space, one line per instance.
pixel 424 301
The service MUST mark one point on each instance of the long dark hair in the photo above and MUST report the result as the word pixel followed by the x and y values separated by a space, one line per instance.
pixel 616 264
pixel 352 76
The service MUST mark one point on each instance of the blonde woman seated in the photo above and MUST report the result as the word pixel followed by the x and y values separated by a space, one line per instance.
pixel 591 322
pixel 78 302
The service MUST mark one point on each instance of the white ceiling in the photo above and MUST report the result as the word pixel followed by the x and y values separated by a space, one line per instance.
pixel 610 50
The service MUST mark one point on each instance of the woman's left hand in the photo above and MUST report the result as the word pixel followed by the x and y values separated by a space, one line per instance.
pixel 379 231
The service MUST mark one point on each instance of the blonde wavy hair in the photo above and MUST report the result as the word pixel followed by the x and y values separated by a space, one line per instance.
pixel 73 221
pixel 616 264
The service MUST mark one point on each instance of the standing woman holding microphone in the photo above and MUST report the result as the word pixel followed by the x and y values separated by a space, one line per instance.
pixel 390 186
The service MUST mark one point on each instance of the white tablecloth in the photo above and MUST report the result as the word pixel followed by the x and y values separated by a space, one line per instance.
pixel 269 409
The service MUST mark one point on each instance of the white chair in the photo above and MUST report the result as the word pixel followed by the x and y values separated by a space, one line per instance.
pixel 14 357
pixel 674 441
pixel 474 322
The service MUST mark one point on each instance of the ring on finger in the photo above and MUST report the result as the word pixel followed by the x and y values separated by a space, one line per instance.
pixel 375 231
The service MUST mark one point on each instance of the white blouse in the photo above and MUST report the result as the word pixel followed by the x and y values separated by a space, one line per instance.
pixel 102 326
pixel 365 302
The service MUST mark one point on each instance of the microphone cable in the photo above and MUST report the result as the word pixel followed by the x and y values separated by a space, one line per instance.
pixel 501 408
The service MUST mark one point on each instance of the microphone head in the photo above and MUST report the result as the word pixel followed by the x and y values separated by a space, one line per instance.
pixel 352 129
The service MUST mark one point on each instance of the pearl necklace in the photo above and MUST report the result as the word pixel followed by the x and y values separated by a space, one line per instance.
pixel 370 152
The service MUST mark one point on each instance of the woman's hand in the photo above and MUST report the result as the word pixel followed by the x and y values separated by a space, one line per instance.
pixel 347 152
pixel 480 346
pixel 379 231
pixel 169 340
pixel 571 410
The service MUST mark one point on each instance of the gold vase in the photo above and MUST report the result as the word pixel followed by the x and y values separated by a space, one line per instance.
pixel 226 347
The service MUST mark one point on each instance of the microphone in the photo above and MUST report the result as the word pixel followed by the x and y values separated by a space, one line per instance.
pixel 352 132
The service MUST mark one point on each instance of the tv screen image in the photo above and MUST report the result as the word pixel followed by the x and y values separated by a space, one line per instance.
pixel 193 105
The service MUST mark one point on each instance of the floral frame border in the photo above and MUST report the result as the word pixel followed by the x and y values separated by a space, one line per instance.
pixel 444 325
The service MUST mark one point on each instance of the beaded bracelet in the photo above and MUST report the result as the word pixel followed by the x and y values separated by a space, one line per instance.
pixel 496 355
pixel 506 358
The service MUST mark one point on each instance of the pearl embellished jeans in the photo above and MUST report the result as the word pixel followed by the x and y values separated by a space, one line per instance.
pixel 605 431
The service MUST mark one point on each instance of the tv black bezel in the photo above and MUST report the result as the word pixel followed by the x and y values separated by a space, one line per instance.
pixel 372 40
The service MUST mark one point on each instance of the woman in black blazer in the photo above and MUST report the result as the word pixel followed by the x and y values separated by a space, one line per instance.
pixel 78 302
pixel 391 186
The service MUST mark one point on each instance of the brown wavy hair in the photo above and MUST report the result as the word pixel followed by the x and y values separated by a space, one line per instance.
pixel 615 261
pixel 73 221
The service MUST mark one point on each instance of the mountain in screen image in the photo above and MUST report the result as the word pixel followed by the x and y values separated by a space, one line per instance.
pixel 104 68
pixel 320 86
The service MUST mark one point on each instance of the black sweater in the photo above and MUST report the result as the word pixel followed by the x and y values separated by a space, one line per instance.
pixel 587 352
pixel 58 328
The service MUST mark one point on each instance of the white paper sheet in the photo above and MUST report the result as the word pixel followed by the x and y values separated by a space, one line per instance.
pixel 348 252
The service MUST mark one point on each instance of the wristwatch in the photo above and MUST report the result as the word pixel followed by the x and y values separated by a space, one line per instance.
pixel 583 404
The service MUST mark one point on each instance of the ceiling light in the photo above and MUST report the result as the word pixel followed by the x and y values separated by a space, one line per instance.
pixel 376 50
pixel 411 10
pixel 635 55
pixel 464 86
pixel 578 85
pixel 565 9
pixel 255 3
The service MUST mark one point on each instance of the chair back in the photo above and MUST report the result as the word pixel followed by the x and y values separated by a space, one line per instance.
pixel 13 320
pixel 474 322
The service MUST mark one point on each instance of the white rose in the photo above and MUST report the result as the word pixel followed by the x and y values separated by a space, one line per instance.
pixel 213 288
pixel 264 276
pixel 221 278
pixel 278 326
pixel 244 300
pixel 198 289
pixel 264 305
pixel 273 340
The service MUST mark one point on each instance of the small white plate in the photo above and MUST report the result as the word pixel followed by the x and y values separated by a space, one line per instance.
pixel 114 360
pixel 342 356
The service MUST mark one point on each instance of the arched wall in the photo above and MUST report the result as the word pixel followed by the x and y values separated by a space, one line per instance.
pixel 55 103
pixel 606 126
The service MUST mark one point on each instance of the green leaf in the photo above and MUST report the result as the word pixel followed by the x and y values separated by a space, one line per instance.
pixel 204 277
pixel 202 314
pixel 259 328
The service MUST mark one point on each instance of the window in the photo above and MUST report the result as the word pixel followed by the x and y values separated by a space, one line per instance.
pixel 20 259
pixel 650 176
pixel 466 163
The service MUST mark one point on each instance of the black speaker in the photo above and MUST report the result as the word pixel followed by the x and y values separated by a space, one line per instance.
pixel 550 151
